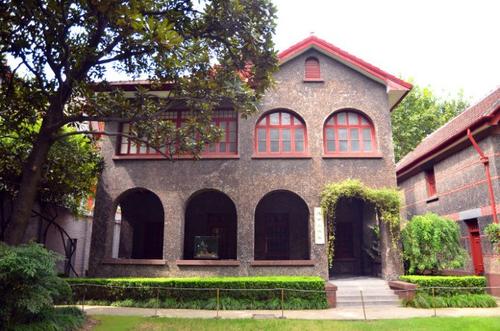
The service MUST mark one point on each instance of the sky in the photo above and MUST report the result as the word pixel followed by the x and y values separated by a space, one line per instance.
pixel 449 45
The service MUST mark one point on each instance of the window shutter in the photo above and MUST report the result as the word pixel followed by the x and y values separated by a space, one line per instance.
pixel 312 69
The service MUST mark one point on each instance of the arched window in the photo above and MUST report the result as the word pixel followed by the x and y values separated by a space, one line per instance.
pixel 280 132
pixel 349 132
pixel 312 69
pixel 281 227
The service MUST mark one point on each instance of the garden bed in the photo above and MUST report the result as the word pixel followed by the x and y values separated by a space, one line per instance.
pixel 449 292
pixel 203 293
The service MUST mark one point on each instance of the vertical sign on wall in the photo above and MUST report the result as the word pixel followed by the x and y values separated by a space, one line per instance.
pixel 319 226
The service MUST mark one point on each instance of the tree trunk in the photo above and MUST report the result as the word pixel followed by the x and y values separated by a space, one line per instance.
pixel 28 188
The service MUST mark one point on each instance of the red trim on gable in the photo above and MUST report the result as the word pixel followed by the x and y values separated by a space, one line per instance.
pixel 314 41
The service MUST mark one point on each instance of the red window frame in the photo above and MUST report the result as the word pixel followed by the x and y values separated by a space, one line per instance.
pixel 264 123
pixel 312 69
pixel 430 182
pixel 363 123
pixel 221 117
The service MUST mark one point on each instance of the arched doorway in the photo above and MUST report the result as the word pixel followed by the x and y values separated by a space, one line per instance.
pixel 210 226
pixel 139 223
pixel 281 227
pixel 356 245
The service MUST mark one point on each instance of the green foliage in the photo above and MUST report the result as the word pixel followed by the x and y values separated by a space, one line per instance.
pixel 432 243
pixel 69 174
pixel 448 285
pixel 200 293
pixel 492 232
pixel 57 319
pixel 386 201
pixel 28 283
pixel 419 114
pixel 423 300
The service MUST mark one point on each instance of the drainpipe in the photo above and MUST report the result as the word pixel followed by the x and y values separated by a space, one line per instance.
pixel 486 162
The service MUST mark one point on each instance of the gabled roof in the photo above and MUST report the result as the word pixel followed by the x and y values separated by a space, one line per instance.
pixel 482 112
pixel 396 88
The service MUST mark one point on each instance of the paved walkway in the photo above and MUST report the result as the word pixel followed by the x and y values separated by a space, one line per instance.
pixel 347 313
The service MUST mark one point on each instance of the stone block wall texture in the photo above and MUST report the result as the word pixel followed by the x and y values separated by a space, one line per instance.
pixel 246 180
pixel 462 194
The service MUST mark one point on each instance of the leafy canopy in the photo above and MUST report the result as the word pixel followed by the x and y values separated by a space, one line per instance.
pixel 419 114
pixel 207 54
pixel 432 243
pixel 69 174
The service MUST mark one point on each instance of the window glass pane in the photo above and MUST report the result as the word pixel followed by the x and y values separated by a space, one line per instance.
pixel 222 126
pixel 367 134
pixel 133 148
pixel 367 145
pixel 262 121
pixel 285 133
pixel 262 146
pixel 143 149
pixel 342 134
pixel 274 118
pixel 341 118
pixel 354 134
pixel 285 119
pixel 296 121
pixel 211 148
pixel 299 134
pixel 364 121
pixel 330 134
pixel 261 133
pixel 274 134
pixel 343 145
pixel 275 146
pixel 222 147
pixel 286 146
pixel 232 147
pixel 330 146
pixel 353 118
pixel 299 146
pixel 355 145
pixel 232 126
pixel 124 146
pixel 232 136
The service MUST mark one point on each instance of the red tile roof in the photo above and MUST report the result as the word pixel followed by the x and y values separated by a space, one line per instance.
pixel 456 128
pixel 334 51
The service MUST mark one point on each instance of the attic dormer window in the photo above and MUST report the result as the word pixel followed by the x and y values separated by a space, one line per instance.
pixel 312 69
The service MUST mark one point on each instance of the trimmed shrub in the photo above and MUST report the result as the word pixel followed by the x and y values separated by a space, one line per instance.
pixel 447 285
pixel 235 292
pixel 423 300
pixel 28 283
pixel 432 243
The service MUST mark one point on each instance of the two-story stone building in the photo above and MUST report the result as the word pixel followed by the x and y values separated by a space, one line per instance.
pixel 455 172
pixel 247 206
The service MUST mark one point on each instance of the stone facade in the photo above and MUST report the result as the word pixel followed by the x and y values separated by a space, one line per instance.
pixel 246 179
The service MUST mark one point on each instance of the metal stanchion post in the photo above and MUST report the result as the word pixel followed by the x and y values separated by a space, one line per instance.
pixel 218 298
pixel 282 303
pixel 363 303
pixel 157 302
pixel 434 301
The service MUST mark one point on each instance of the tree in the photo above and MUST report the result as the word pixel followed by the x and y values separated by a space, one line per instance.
pixel 419 114
pixel 219 52
pixel 69 175
pixel 432 243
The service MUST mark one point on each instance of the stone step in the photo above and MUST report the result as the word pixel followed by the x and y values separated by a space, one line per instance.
pixel 393 303
pixel 367 297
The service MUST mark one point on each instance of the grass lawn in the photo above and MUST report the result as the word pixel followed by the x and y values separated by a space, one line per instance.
pixel 119 323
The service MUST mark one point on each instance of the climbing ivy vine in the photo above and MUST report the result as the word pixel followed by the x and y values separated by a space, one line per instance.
pixel 386 202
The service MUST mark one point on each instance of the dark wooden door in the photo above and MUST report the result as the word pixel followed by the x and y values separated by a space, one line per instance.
pixel 475 247
pixel 277 237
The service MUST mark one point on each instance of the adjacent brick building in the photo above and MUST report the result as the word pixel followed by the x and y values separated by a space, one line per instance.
pixel 247 206
pixel 448 175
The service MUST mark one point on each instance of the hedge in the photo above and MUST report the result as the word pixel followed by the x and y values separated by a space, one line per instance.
pixel 300 292
pixel 448 285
